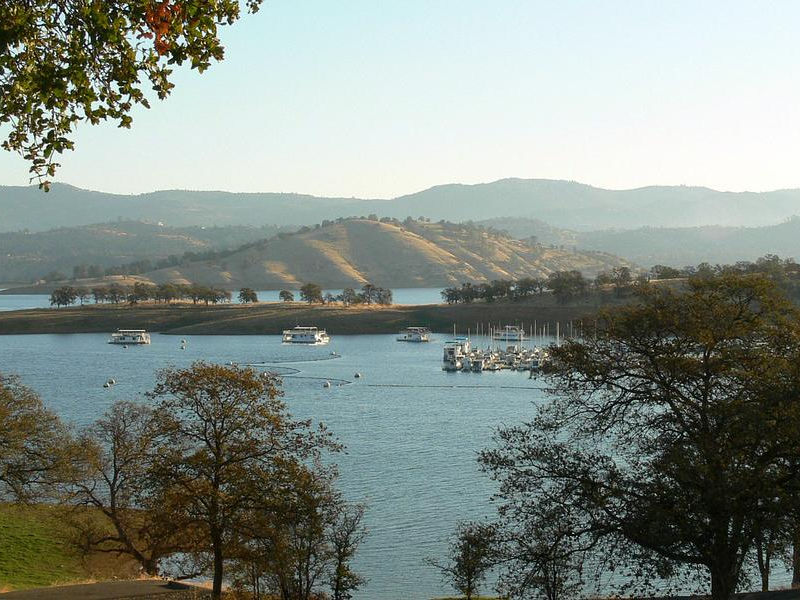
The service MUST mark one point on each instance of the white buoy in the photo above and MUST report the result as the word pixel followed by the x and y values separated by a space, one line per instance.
pixel 357 375
pixel 106 384
pixel 333 353
pixel 183 342
pixel 112 381
pixel 327 384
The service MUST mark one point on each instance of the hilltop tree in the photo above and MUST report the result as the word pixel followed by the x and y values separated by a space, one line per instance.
pixel 247 295
pixel 672 433
pixel 567 285
pixel 311 293
pixel 62 63
pixel 349 296
pixel 64 296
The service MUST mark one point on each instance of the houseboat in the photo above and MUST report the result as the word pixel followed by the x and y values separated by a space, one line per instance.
pixel 415 334
pixel 130 336
pixel 306 335
pixel 509 333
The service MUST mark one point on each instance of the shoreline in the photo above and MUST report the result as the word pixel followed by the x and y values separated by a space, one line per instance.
pixel 270 318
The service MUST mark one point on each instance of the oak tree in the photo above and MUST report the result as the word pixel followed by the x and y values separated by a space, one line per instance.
pixel 68 61
pixel 672 433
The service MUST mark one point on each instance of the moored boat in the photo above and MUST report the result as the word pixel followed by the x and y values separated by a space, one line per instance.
pixel 306 335
pixel 136 337
pixel 509 333
pixel 414 334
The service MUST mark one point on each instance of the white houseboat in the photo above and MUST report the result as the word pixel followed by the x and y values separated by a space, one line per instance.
pixel 130 336
pixel 509 333
pixel 415 334
pixel 455 352
pixel 306 335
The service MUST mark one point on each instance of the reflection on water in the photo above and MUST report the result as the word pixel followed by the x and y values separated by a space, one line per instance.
pixel 412 431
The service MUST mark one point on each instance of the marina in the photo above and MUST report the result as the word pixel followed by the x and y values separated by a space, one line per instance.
pixel 460 355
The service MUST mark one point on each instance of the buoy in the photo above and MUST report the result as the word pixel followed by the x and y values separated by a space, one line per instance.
pixel 327 384
pixel 333 353
pixel 357 375
pixel 183 342
pixel 125 346
pixel 106 384
pixel 112 381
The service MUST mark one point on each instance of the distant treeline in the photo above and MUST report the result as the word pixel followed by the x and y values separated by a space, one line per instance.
pixel 370 294
pixel 567 286
pixel 140 292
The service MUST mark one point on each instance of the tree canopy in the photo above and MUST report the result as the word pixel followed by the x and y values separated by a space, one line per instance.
pixel 671 441
pixel 67 61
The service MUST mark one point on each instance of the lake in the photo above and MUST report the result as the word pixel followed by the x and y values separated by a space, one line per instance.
pixel 401 296
pixel 412 431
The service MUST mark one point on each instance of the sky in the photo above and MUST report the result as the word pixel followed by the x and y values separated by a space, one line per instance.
pixel 379 98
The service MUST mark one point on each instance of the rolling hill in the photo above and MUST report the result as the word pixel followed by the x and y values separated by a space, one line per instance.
pixel 673 246
pixel 389 254
pixel 562 203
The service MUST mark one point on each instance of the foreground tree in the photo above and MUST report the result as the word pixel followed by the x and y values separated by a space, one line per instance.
pixel 62 62
pixel 470 558
pixel 35 447
pixel 673 433
pixel 302 537
pixel 114 479
pixel 222 432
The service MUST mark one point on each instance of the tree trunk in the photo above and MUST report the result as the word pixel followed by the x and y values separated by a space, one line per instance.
pixel 216 590
pixel 764 556
pixel 723 582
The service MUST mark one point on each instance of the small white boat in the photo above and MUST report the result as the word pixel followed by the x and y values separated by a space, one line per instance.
pixel 415 334
pixel 509 333
pixel 130 336
pixel 306 335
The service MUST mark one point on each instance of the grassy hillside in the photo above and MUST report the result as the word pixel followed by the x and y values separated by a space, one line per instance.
pixel 34 551
pixel 389 254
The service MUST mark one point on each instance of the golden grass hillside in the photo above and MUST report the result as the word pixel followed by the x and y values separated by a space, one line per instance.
pixel 351 252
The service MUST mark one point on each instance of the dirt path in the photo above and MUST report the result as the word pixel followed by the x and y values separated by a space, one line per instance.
pixel 113 590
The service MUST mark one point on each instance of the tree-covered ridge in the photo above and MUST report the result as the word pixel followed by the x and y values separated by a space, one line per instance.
pixel 100 249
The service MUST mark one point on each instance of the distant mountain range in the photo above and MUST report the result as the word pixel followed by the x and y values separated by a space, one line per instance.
pixel 673 246
pixel 561 203
pixel 389 254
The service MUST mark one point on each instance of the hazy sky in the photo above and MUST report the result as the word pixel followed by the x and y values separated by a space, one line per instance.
pixel 377 98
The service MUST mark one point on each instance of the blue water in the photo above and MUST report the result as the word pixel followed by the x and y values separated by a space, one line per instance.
pixel 412 431
pixel 400 296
